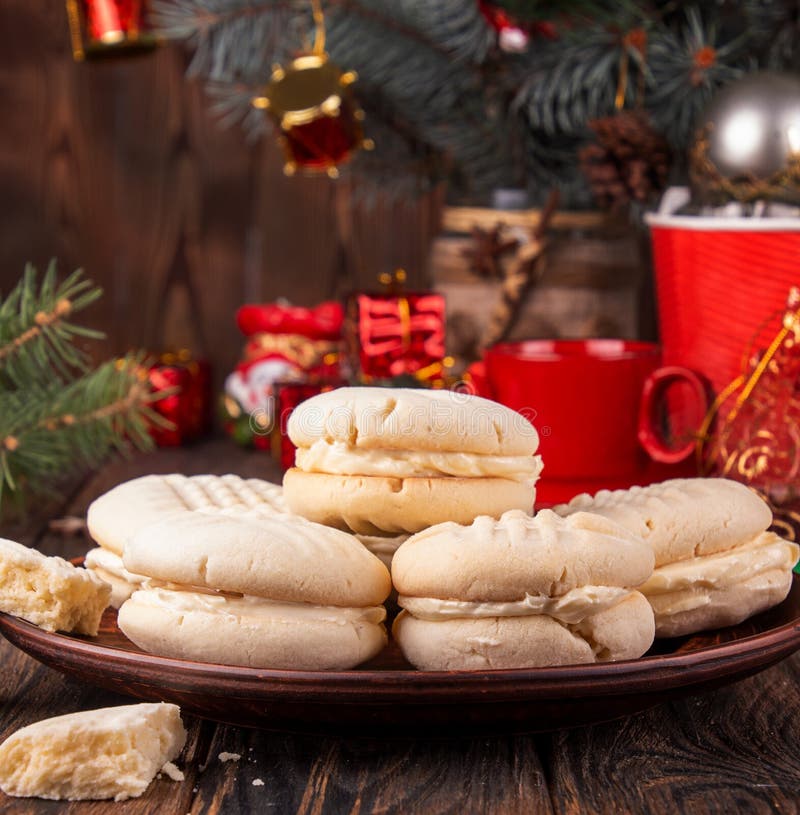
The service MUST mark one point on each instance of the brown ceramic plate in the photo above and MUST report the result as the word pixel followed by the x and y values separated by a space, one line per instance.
pixel 387 695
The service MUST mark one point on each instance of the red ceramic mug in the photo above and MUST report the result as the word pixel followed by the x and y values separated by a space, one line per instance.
pixel 598 405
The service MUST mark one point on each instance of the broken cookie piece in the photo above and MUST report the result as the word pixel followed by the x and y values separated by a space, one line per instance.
pixel 112 752
pixel 50 592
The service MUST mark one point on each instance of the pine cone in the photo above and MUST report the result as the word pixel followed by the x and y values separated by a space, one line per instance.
pixel 628 162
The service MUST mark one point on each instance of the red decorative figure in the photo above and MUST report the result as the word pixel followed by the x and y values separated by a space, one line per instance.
pixel 284 343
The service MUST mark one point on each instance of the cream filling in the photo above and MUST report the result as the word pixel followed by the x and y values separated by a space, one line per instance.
pixel 687 584
pixel 723 570
pixel 340 458
pixel 259 608
pixel 570 608
pixel 379 545
pixel 111 563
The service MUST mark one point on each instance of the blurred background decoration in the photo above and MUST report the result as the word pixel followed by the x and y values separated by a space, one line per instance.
pixel 502 153
pixel 500 93
pixel 756 421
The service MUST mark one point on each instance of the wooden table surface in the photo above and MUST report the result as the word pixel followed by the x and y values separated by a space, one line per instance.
pixel 734 750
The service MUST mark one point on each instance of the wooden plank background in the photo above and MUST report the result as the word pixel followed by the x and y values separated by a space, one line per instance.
pixel 119 167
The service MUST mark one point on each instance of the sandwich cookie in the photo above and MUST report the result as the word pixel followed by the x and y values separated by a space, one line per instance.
pixel 522 592
pixel 715 563
pixel 50 592
pixel 118 514
pixel 109 567
pixel 277 592
pixel 390 461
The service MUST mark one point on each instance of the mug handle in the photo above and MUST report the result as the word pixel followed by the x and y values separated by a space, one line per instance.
pixel 649 433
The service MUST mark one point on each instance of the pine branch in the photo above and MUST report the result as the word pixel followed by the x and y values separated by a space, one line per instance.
pixel 404 167
pixel 576 80
pixel 57 415
pixel 431 82
pixel 585 11
pixel 241 39
pixel 35 333
pixel 551 162
pixel 458 34
pixel 50 430
pixel 774 28
pixel 419 61
pixel 438 92
pixel 687 68
pixel 235 40
pixel 567 83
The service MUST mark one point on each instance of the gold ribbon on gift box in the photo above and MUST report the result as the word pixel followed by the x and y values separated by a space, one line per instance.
pixel 299 350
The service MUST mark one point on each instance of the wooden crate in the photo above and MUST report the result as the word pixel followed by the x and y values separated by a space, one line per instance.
pixel 589 281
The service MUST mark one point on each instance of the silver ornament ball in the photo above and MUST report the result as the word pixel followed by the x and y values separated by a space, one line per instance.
pixel 752 133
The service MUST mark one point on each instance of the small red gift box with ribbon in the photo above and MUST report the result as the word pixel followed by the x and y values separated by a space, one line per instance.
pixel 395 333
pixel 188 406
pixel 284 343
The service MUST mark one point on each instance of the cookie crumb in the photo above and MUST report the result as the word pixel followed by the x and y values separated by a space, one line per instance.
pixel 257 782
pixel 229 756
pixel 170 770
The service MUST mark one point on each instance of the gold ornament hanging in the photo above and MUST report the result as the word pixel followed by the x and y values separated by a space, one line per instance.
pixel 310 100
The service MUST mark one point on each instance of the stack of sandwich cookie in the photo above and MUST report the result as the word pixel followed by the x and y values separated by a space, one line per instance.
pixel 522 592
pixel 119 514
pixel 715 563
pixel 389 462
pixel 269 592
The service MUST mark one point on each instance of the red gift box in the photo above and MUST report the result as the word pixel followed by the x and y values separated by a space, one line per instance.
pixel 189 407
pixel 389 335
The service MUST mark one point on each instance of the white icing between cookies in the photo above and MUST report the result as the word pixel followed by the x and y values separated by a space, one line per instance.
pixel 103 560
pixel 380 545
pixel 687 584
pixel 247 606
pixel 339 458
pixel 570 608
